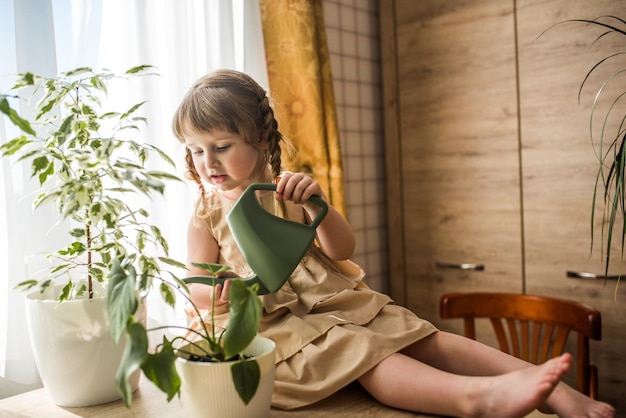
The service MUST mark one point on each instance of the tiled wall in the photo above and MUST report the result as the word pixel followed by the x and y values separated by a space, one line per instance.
pixel 353 41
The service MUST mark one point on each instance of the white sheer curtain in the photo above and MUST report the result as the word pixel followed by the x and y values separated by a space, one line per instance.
pixel 184 39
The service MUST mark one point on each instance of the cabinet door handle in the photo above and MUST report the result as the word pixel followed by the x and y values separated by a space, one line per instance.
pixel 461 266
pixel 591 276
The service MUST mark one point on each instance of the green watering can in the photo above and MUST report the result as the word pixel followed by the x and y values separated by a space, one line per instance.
pixel 272 246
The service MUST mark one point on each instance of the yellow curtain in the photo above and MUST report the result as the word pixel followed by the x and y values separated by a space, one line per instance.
pixel 301 87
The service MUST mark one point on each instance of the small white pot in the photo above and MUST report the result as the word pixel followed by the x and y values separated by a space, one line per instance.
pixel 207 389
pixel 73 349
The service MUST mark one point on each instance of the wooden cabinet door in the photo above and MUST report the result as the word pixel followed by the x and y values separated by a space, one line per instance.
pixel 559 169
pixel 453 152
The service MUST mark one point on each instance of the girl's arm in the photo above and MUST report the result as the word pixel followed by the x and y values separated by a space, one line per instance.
pixel 202 248
pixel 334 233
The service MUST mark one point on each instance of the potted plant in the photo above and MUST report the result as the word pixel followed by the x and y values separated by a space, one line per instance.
pixel 220 373
pixel 88 166
pixel 607 130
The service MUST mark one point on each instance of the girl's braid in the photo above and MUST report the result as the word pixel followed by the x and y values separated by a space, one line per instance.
pixel 270 128
pixel 192 173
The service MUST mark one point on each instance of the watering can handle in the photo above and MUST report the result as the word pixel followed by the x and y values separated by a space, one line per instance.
pixel 315 199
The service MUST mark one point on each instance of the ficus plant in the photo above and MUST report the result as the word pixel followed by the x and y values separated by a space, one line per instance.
pixel 89 166
pixel 205 344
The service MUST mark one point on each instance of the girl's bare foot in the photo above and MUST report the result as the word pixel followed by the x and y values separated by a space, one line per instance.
pixel 518 393
pixel 569 403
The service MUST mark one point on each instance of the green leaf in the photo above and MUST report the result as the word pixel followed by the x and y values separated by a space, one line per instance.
pixel 135 353
pixel 163 175
pixel 141 240
pixel 54 270
pixel 45 284
pixel 182 286
pixel 26 284
pixel 66 125
pixel 44 167
pixel 44 197
pixel 47 107
pixel 139 69
pixel 96 273
pixel 145 281
pixel 168 294
pixel 166 158
pixel 173 262
pixel 121 299
pixel 81 289
pixel 66 291
pixel 132 110
pixel 74 249
pixel 43 176
pixel 246 376
pixel 245 311
pixel 26 79
pixel 21 123
pixel 14 145
pixel 95 211
pixel 160 368
pixel 98 83
pixel 109 115
pixel 40 163
pixel 78 71
pixel 153 184
pixel 212 268
pixel 78 232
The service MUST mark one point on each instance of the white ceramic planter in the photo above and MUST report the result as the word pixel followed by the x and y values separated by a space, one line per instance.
pixel 207 389
pixel 74 352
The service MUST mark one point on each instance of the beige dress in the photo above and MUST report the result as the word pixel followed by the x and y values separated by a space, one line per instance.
pixel 329 327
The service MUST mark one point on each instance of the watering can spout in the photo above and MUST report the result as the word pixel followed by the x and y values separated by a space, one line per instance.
pixel 212 281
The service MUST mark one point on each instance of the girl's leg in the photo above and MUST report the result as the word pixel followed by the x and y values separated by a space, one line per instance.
pixel 443 350
pixel 403 382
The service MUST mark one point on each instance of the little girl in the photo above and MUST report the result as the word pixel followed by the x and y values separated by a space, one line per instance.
pixel 329 327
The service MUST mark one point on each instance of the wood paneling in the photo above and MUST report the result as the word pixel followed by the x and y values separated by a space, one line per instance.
pixel 458 162
pixel 489 157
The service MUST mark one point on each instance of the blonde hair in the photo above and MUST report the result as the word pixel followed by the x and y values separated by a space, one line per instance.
pixel 233 101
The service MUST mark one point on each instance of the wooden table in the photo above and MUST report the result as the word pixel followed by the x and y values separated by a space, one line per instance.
pixel 149 402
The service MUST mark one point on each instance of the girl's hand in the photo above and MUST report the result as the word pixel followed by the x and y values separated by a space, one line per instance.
pixel 220 293
pixel 297 187
pixel 202 295
pixel 334 233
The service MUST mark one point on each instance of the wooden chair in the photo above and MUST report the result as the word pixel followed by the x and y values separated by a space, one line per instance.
pixel 533 328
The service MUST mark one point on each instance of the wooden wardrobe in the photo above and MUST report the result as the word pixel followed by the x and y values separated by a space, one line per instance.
pixel 489 164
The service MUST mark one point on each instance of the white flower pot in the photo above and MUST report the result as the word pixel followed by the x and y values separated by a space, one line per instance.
pixel 73 349
pixel 207 389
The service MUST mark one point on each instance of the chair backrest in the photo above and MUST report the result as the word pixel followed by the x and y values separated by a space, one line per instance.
pixel 533 328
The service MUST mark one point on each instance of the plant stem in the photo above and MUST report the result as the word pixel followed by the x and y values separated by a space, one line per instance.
pixel 89 278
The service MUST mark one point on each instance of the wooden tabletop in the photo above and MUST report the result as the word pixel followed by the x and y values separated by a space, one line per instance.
pixel 148 401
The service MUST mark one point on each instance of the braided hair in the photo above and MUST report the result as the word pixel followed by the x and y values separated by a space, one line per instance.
pixel 233 101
